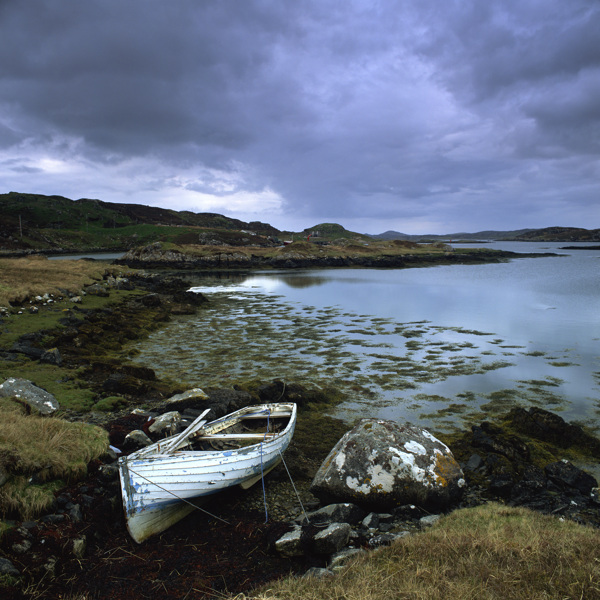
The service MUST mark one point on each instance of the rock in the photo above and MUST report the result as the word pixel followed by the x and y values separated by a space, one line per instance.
pixel 167 423
pixel 336 513
pixel 501 484
pixel 549 427
pixel 96 290
pixel 193 394
pixel 53 519
pixel 25 391
pixel 122 383
pixel 564 474
pixel 50 566
pixel 371 521
pixel 332 539
pixel 25 347
pixel 491 439
pixel 531 489
pixel 290 544
pixel 79 547
pixel 7 568
pixel 429 520
pixel 474 463
pixel 386 539
pixel 111 454
pixel 318 573
pixel 408 512
pixel 137 439
pixel 225 401
pixel 340 559
pixel 75 513
pixel 21 547
pixel 383 464
pixel 51 357
pixel 121 283
pixel 108 472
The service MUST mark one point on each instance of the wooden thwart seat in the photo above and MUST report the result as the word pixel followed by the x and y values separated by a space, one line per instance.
pixel 235 436
pixel 265 415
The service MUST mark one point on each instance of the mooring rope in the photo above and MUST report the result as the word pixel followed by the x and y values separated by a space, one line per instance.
pixel 178 497
pixel 294 486
pixel 262 477
pixel 262 474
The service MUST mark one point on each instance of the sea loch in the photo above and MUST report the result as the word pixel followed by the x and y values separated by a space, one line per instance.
pixel 435 346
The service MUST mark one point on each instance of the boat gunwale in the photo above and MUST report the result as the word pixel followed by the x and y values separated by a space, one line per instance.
pixel 153 451
pixel 223 461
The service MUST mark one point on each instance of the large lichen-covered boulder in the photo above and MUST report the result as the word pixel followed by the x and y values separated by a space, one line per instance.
pixel 384 464
pixel 27 392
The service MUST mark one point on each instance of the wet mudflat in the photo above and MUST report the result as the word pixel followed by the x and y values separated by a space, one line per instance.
pixel 433 375
pixel 200 557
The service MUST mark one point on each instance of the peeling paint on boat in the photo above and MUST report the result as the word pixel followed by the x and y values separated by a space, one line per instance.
pixel 160 489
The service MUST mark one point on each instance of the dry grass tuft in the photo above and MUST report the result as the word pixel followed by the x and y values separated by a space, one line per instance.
pixel 47 448
pixel 23 278
pixel 488 552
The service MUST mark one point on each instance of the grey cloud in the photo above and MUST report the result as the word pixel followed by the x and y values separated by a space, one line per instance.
pixel 345 108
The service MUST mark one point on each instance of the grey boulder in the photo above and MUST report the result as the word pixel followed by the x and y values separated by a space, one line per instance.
pixel 384 464
pixel 29 393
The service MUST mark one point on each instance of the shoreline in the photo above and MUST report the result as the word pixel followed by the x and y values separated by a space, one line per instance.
pixel 107 536
pixel 154 257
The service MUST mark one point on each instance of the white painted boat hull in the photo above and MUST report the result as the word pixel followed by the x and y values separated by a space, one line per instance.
pixel 160 489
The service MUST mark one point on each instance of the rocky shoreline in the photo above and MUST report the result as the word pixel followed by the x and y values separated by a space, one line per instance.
pixel 81 544
pixel 234 547
pixel 154 256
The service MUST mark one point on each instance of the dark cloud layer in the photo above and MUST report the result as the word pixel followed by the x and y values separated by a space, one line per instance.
pixel 427 116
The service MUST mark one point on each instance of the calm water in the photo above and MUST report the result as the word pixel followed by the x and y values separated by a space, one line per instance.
pixel 435 345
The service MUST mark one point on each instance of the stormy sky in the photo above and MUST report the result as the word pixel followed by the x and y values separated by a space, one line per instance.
pixel 423 116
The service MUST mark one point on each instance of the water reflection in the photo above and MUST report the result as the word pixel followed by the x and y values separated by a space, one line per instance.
pixel 427 345
pixel 303 280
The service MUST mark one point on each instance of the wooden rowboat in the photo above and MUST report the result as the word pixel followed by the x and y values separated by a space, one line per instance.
pixel 163 482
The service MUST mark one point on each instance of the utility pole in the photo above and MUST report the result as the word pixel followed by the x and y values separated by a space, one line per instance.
pixel 20 227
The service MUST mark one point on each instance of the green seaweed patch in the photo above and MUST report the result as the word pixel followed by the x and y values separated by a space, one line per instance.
pixel 497 364
pixel 362 332
pixel 562 364
pixel 550 381
pixel 414 345
pixel 534 353
pixel 470 331
pixel 501 400
pixel 412 333
pixel 431 398
pixel 453 409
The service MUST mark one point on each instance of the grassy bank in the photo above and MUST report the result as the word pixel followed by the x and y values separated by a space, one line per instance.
pixel 488 552
pixel 25 278
pixel 35 293
pixel 339 248
pixel 39 455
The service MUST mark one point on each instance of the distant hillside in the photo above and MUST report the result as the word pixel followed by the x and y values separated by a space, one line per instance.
pixel 332 232
pixel 38 222
pixel 547 234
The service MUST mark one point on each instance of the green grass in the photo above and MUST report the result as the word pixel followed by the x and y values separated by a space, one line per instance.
pixel 47 449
